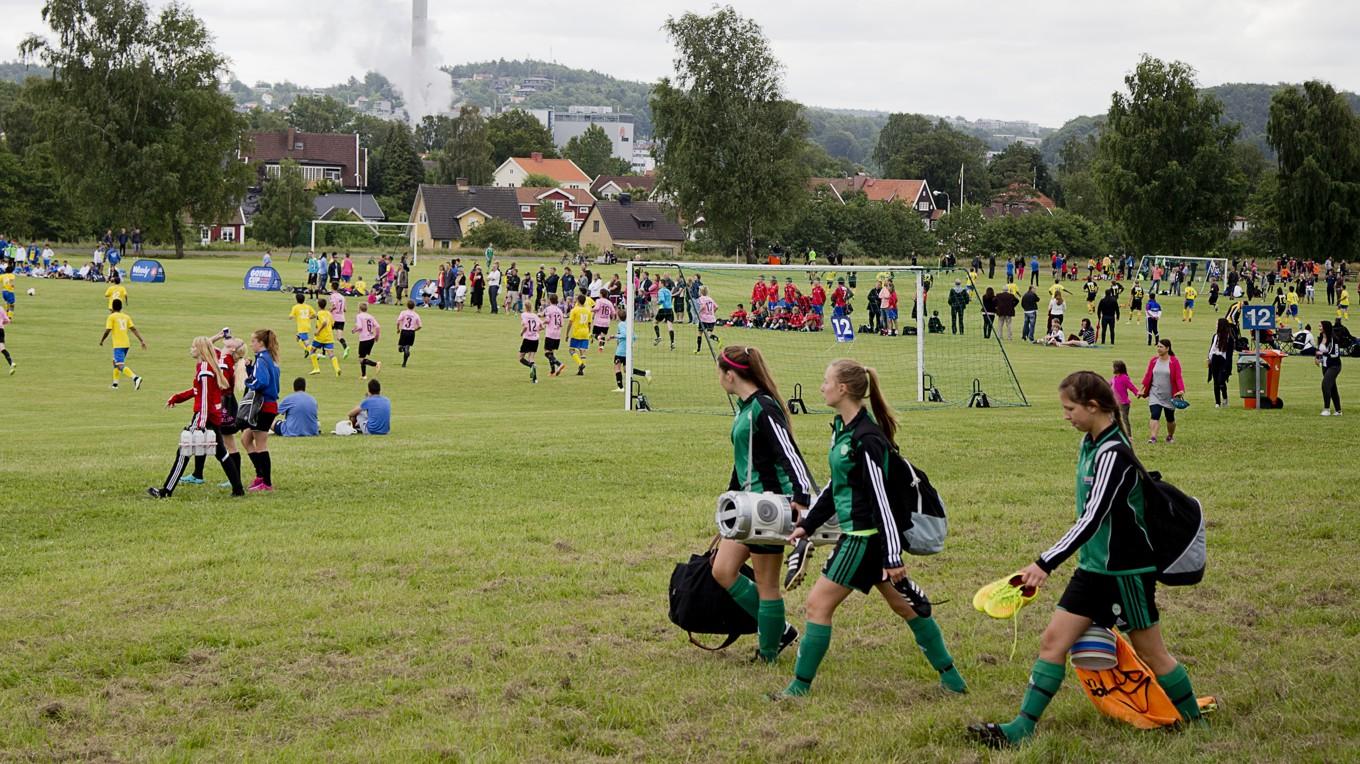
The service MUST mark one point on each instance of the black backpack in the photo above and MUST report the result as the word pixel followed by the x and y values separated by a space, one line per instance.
pixel 916 506
pixel 699 604
pixel 1175 524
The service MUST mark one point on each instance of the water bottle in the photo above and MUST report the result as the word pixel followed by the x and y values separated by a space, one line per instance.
pixel 186 443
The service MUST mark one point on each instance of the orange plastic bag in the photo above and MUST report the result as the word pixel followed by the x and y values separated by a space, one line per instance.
pixel 1130 692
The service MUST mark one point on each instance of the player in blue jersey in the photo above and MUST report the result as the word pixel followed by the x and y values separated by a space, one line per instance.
pixel 665 311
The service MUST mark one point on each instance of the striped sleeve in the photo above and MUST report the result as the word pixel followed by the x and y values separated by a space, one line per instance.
pixel 205 378
pixel 876 485
pixel 1109 481
pixel 820 510
pixel 777 438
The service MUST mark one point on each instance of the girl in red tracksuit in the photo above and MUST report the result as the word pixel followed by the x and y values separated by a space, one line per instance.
pixel 206 393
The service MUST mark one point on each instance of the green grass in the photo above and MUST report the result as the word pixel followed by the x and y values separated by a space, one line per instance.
pixel 488 583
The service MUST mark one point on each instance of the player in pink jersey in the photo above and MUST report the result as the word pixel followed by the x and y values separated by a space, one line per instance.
pixel 553 319
pixel 708 318
pixel 408 323
pixel 531 326
pixel 337 303
pixel 366 326
pixel 604 313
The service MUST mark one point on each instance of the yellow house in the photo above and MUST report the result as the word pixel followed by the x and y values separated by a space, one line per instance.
pixel 442 214
pixel 624 227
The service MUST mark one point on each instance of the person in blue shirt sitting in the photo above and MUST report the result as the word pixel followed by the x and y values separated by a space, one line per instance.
pixel 373 415
pixel 299 413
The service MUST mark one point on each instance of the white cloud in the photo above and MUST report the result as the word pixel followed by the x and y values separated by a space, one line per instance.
pixel 1045 62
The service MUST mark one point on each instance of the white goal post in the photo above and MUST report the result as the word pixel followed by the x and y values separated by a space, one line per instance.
pixel 783 271
pixel 410 231
pixel 1200 268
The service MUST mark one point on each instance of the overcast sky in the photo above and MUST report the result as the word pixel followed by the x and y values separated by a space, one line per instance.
pixel 1044 62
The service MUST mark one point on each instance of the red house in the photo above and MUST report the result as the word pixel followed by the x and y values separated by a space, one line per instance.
pixel 574 203
pixel 321 156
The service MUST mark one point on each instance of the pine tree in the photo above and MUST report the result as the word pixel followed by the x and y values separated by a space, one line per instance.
pixel 467 154
pixel 285 207
pixel 402 171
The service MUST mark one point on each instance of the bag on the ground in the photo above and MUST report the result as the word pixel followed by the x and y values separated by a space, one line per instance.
pixel 1175 523
pixel 700 605
pixel 916 506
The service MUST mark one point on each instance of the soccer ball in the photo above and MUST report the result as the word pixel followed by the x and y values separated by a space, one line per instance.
pixel 32 292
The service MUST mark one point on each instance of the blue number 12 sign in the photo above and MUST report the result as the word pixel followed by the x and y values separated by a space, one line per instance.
pixel 1258 317
pixel 845 331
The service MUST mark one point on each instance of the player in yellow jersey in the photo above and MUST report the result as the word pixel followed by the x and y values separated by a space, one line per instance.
pixel 1291 305
pixel 302 314
pixel 119 325
pixel 324 341
pixel 1188 311
pixel 116 291
pixel 1343 301
pixel 7 292
pixel 579 333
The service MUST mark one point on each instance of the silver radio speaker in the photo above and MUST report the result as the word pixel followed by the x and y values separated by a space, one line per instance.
pixel 756 518
pixel 828 533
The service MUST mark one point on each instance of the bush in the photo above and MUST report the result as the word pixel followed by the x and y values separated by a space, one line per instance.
pixel 499 234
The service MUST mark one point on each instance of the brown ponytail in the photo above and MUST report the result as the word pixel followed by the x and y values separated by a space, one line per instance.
pixel 1088 387
pixel 862 382
pixel 270 342
pixel 747 363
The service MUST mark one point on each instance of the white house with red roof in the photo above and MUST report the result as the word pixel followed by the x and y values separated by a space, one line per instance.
pixel 573 203
pixel 514 171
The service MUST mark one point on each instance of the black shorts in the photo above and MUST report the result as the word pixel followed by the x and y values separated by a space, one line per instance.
pixel 365 348
pixel 620 359
pixel 765 548
pixel 264 422
pixel 599 332
pixel 406 338
pixel 550 344
pixel 1129 602
pixel 1136 305
pixel 2 335
pixel 707 326
pixel 339 326
pixel 1157 411
pixel 528 346
pixel 856 562
pixel 665 314
pixel 311 279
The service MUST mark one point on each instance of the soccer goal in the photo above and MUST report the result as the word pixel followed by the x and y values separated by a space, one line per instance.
pixel 917 367
pixel 389 234
pixel 1202 269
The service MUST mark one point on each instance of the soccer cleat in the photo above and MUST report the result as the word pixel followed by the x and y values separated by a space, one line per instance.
pixel 789 636
pixel 259 487
pixel 156 493
pixel 798 561
pixel 918 599
pixel 337 373
pixel 533 375
pixel 345 354
pixel 1152 440
pixel 1004 597
pixel 13 367
pixel 580 371
pixel 656 342
pixel 1326 412
pixel 990 734
pixel 314 371
pixel 618 389
pixel 191 480
pixel 113 386
pixel 672 346
pixel 377 367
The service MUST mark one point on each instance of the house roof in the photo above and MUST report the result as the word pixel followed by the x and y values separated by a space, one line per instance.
pixel 310 149
pixel 532 195
pixel 875 189
pixel 623 221
pixel 560 170
pixel 363 205
pixel 443 205
pixel 624 182
pixel 1018 200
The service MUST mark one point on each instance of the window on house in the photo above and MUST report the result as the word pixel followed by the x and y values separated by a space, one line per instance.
pixel 524 208
pixel 595 228
pixel 332 173
pixel 645 224
pixel 271 171
pixel 559 205
pixel 229 233
pixel 444 244
pixel 423 217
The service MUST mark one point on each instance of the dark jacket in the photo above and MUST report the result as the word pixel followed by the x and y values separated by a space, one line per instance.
pixel 958 297
pixel 1005 304
pixel 1108 308
pixel 856 491
pixel 1029 301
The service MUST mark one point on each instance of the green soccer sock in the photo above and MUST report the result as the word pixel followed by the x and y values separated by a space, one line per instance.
pixel 1177 685
pixel 1044 681
pixel 811 650
pixel 770 627
pixel 743 591
pixel 931 642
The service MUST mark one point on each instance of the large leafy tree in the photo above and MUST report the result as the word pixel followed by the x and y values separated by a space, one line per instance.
pixel 402 171
pixel 285 207
pixel 467 150
pixel 593 152
pixel 434 131
pixel 1022 164
pixel 319 114
pixel 1165 166
pixel 910 146
pixel 1317 139
pixel 517 133
pixel 729 142
pixel 551 229
pixel 137 124
pixel 1077 188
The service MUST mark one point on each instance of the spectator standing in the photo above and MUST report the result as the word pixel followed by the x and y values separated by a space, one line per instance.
pixel 1329 358
pixel 1005 313
pixel 1029 303
pixel 1108 312
pixel 1162 384
pixel 1220 362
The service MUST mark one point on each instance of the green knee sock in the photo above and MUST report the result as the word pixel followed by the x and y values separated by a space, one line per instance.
pixel 1044 681
pixel 744 592
pixel 1177 685
pixel 811 650
pixel 770 627
pixel 931 642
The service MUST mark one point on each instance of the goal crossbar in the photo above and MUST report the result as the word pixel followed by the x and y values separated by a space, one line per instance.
pixel 373 225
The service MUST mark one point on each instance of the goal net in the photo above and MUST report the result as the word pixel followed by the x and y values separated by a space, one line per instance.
pixel 1195 269
pixel 917 368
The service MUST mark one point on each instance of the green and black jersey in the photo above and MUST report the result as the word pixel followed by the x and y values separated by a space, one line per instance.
pixel 1111 532
pixel 760 430
pixel 857 491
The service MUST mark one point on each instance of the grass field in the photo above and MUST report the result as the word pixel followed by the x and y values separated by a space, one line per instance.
pixel 488 583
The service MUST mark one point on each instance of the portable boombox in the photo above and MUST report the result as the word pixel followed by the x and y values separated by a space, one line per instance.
pixel 764 518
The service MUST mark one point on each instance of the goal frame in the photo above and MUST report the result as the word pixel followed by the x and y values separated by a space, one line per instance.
pixel 412 239
pixel 629 313
pixel 1146 262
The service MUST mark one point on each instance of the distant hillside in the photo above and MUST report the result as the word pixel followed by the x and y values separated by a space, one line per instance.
pixel 1247 104
pixel 501 83
pixel 15 71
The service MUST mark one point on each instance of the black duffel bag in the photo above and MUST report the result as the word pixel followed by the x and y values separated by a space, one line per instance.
pixel 700 605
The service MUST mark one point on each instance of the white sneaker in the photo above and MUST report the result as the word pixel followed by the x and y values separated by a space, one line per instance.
pixel 1337 414
pixel 1326 412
